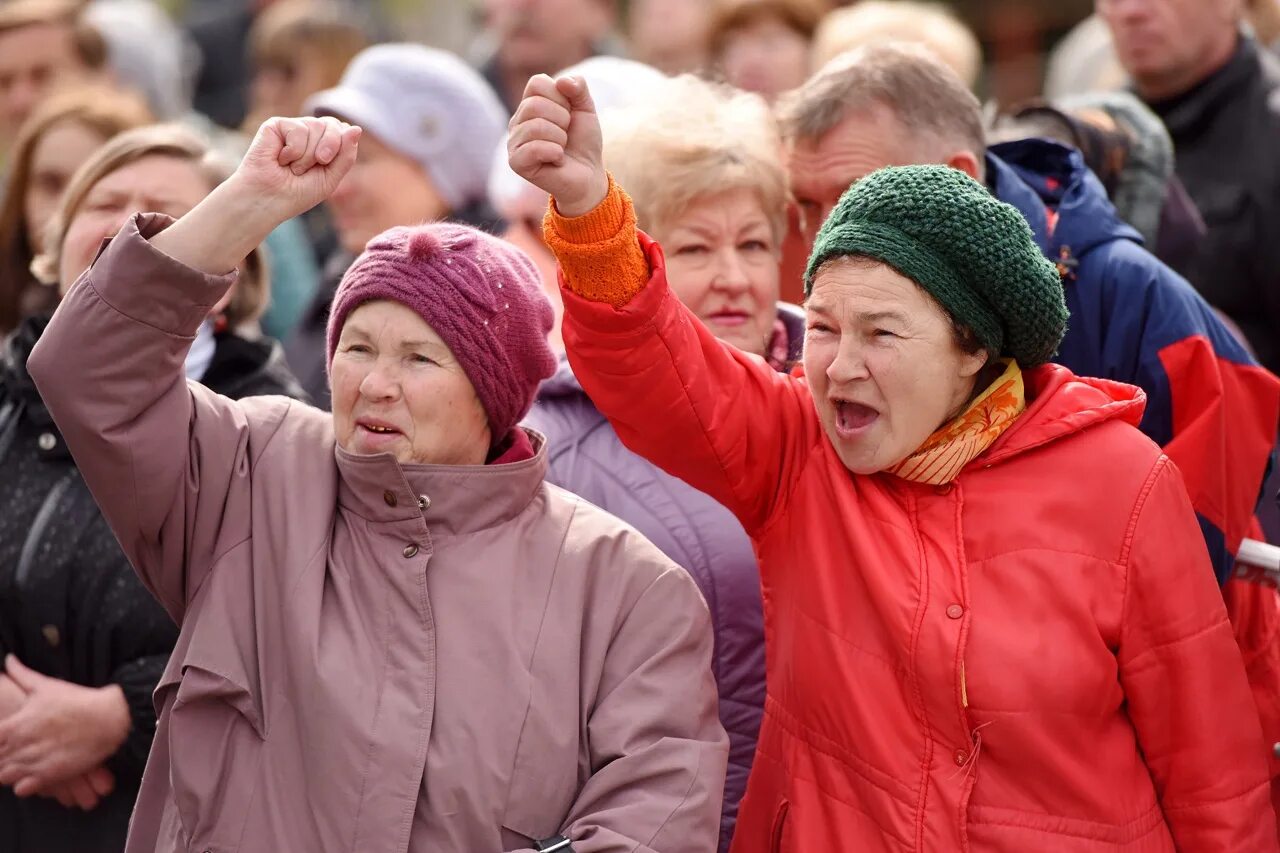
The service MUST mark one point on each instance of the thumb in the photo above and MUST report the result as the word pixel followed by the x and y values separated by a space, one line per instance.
pixel 26 678
pixel 575 89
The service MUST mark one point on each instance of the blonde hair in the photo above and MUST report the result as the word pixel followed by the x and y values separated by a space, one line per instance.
pixel 691 139
pixel 879 21
pixel 158 140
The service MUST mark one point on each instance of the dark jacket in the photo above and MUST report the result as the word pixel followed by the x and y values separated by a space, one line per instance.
pixel 1226 132
pixel 1209 405
pixel 306 349
pixel 70 605
pixel 585 456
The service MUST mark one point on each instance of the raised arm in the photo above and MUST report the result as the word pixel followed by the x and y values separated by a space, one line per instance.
pixel 721 420
pixel 161 457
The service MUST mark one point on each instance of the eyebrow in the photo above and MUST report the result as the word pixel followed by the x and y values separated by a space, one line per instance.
pixel 877 316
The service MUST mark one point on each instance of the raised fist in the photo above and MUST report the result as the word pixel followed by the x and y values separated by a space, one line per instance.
pixel 296 163
pixel 555 143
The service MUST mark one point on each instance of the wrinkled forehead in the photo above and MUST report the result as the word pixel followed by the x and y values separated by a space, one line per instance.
pixel 823 167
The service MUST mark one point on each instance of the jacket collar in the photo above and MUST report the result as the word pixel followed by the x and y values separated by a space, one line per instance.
pixel 1059 404
pixel 1190 112
pixel 458 499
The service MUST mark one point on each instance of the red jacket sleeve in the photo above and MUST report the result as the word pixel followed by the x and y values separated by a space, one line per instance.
pixel 1185 682
pixel 722 421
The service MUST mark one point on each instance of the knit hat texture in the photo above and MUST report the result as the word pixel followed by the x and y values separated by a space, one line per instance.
pixel 481 295
pixel 974 254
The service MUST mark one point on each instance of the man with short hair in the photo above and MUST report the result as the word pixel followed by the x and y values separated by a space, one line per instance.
pixel 1218 93
pixel 541 37
pixel 44 45
pixel 1133 319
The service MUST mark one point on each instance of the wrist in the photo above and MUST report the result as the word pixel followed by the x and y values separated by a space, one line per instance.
pixel 112 712
pixel 587 202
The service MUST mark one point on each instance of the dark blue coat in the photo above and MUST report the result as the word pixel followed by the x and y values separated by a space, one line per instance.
pixel 1133 319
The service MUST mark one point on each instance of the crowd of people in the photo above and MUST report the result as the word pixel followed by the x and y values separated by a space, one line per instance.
pixel 674 426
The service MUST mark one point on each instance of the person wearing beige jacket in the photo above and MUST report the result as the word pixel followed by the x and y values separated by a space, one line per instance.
pixel 395 636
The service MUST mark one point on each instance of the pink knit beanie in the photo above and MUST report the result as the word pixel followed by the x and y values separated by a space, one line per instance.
pixel 482 296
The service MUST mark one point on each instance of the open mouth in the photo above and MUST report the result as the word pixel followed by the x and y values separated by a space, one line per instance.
pixel 853 419
pixel 376 428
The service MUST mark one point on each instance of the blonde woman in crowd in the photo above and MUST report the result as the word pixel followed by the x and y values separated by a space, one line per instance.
pixel 705 170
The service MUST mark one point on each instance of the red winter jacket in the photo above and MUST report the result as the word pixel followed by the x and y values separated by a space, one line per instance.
pixel 1033 658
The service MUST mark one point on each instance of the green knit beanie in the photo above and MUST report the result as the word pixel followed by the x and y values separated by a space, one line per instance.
pixel 974 254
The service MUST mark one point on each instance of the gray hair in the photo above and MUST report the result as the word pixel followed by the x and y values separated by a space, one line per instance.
pixel 928 98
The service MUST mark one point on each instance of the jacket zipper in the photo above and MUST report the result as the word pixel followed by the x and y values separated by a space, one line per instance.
pixel 43 518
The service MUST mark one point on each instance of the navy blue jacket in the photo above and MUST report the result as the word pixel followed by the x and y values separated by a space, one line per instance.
pixel 1133 319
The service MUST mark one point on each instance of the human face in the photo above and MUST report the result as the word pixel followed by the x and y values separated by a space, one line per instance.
pixel 383 189
pixel 722 262
pixel 398 389
pixel 1168 46
pixel 546 35
pixel 766 56
pixel 882 362
pixel 670 35
pixel 280 89
pixel 34 61
pixel 155 183
pixel 822 169
pixel 54 159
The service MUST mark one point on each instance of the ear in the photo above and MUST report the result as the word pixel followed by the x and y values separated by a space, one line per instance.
pixel 967 162
pixel 971 364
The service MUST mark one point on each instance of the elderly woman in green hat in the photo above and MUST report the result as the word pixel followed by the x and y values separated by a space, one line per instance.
pixel 989 617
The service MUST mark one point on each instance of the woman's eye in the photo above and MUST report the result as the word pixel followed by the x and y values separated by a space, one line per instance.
pixel 418 358
pixel 755 246
pixel 820 328
pixel 359 348
pixel 884 333
pixel 691 249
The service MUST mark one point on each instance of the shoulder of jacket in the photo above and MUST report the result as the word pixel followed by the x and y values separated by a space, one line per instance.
pixel 591 532
pixel 282 426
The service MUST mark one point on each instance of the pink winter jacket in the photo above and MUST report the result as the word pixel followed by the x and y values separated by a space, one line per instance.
pixel 374 656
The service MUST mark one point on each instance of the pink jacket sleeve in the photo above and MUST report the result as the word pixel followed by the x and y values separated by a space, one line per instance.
pixel 1185 683
pixel 166 460
pixel 722 421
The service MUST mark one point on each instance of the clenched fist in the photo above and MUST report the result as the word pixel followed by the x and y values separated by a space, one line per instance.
pixel 297 162
pixel 292 165
pixel 555 143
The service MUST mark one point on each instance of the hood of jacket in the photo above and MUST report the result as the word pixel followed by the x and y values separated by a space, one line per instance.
pixel 1038 176
pixel 1060 404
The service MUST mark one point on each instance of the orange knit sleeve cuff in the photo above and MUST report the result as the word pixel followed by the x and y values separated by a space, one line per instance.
pixel 599 252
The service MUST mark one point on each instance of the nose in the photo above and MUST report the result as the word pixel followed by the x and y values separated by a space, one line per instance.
pixel 729 275
pixel 381 383
pixel 849 365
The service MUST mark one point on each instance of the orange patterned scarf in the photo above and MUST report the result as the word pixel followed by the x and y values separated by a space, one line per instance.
pixel 942 456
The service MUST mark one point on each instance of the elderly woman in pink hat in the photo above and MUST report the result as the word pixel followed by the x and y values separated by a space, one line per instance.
pixel 394 635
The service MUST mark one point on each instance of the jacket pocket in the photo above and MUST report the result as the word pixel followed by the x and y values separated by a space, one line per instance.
pixel 778 833
pixel 215 747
